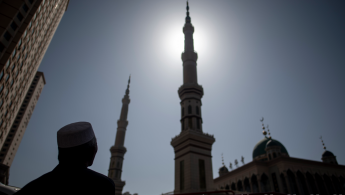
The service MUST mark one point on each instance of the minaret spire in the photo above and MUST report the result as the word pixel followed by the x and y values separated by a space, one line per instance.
pixel 187 17
pixel 118 150
pixel 197 145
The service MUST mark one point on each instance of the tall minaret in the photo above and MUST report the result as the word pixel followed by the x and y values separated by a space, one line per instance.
pixel 118 150
pixel 193 160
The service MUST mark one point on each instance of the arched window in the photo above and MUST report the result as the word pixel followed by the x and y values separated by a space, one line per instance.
pixel 189 109
pixel 198 123
pixel 190 123
pixel 197 110
pixel 182 125
pixel 269 156
pixel 182 112
pixel 274 155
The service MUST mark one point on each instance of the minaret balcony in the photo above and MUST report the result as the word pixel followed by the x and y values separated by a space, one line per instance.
pixel 188 27
pixel 191 90
pixel 118 149
pixel 189 55
pixel 122 124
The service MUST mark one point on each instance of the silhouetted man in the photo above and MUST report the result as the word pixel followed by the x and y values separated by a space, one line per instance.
pixel 77 149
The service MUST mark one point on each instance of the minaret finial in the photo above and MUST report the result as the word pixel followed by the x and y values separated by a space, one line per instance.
pixel 263 126
pixel 222 153
pixel 187 17
pixel 129 80
pixel 324 147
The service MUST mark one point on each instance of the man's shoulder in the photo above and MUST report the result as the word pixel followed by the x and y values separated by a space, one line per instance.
pixel 100 177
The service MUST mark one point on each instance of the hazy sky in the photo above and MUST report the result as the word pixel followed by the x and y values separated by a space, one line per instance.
pixel 283 60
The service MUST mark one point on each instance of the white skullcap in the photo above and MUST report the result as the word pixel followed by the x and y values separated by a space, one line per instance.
pixel 74 134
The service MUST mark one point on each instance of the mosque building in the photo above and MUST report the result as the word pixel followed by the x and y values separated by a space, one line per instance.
pixel 272 168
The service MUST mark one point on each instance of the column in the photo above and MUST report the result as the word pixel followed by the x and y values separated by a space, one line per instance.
pixel 286 177
pixel 280 184
pixel 324 184
pixel 307 183
pixel 258 178
pixel 243 186
pixel 298 184
pixel 251 186
pixel 316 184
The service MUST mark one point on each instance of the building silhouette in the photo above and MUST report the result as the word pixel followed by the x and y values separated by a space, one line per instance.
pixel 118 150
pixel 26 29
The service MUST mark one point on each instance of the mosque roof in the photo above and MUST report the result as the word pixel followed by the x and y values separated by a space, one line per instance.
pixel 327 153
pixel 260 147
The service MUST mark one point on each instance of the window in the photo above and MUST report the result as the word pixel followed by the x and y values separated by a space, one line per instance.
pixel 30 25
pixel 35 16
pixel 197 110
pixel 182 175
pixel 7 36
pixel 190 123
pixel 182 112
pixel 7 63
pixel 11 83
pixel 14 26
pixel 25 8
pixel 198 123
pixel 15 76
pixel 20 43
pixel 1 75
pixel 6 92
pixel 25 33
pixel 39 9
pixel 18 56
pixel 202 174
pixel 274 155
pixel 21 64
pixel 13 66
pixel 7 76
pixel 20 16
pixel 13 53
pixel 269 156
pixel 1 88
pixel 2 47
pixel 0 107
pixel 189 109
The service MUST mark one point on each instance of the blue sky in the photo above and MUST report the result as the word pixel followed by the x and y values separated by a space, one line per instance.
pixel 282 60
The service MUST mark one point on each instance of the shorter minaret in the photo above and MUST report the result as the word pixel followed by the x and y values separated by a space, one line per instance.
pixel 118 150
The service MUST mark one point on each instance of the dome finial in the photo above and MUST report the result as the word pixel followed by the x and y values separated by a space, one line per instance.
pixel 324 147
pixel 222 153
pixel 263 126
pixel 269 134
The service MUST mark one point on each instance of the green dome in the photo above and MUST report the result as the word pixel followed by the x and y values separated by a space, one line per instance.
pixel 260 147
